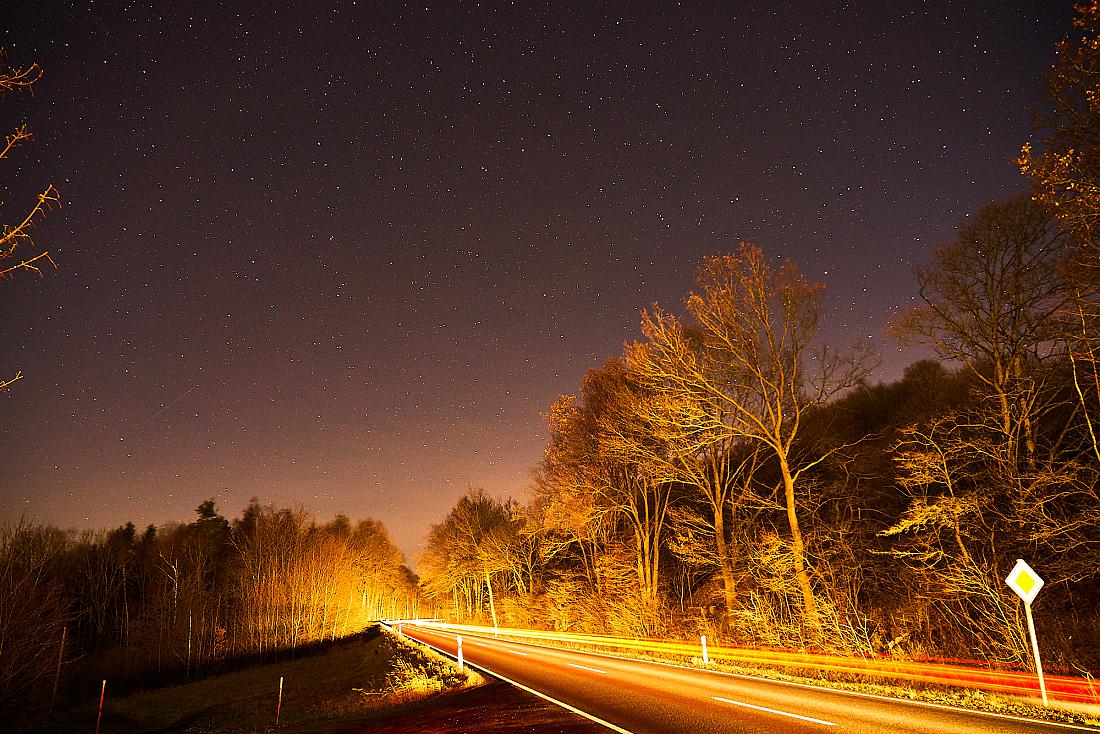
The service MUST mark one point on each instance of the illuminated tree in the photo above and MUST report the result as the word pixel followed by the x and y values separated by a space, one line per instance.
pixel 748 348
pixel 972 512
pixel 16 242
pixel 289 581
pixel 468 549
pixel 1066 173
pixel 992 301
pixel 701 454
pixel 942 534
pixel 606 461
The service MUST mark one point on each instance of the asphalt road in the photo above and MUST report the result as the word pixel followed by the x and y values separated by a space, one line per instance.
pixel 641 697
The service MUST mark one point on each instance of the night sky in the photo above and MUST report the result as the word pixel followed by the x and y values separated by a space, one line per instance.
pixel 345 254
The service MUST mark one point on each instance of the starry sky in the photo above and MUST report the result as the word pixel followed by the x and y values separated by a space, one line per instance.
pixel 345 254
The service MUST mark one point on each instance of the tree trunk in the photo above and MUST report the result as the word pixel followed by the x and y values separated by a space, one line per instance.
pixel 492 602
pixel 725 563
pixel 798 549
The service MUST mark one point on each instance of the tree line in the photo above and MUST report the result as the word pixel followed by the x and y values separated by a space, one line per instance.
pixel 732 474
pixel 183 600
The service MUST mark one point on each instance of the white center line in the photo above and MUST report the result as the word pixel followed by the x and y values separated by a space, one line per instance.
pixel 517 652
pixel 773 711
pixel 585 667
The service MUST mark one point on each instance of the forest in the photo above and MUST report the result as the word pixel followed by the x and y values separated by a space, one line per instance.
pixel 732 474
pixel 729 476
pixel 181 601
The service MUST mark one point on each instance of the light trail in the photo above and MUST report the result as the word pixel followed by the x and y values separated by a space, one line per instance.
pixel 702 695
pixel 1011 682
pixel 534 692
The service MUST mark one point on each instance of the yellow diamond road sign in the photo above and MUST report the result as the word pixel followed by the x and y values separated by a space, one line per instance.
pixel 1024 581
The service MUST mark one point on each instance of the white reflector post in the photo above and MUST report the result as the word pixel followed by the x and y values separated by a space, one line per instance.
pixel 1024 581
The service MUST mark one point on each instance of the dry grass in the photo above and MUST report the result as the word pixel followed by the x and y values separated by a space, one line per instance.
pixel 353 680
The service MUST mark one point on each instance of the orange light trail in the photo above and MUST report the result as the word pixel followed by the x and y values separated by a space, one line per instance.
pixel 1011 682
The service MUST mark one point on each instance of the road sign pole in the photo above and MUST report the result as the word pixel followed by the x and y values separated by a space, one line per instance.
pixel 458 639
pixel 703 641
pixel 1035 652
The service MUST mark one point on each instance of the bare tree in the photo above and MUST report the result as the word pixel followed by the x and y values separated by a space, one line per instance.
pixel 468 549
pixel 32 608
pixel 962 532
pixel 1066 172
pixel 607 457
pixel 700 453
pixel 1065 175
pixel 993 300
pixel 753 357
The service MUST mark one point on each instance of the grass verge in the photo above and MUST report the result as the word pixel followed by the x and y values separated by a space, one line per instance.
pixel 356 679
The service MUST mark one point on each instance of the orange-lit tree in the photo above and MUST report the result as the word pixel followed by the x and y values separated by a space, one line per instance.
pixel 471 548
pixel 718 465
pixel 1011 474
pixel 605 456
pixel 17 248
pixel 1065 175
pixel 748 348
pixel 949 536
pixel 298 582
pixel 1065 172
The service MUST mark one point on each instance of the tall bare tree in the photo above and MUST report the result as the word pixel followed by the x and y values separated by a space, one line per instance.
pixel 701 454
pixel 993 300
pixel 468 549
pixel 749 348
pixel 606 455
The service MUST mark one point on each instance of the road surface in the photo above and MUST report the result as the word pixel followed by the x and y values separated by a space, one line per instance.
pixel 639 697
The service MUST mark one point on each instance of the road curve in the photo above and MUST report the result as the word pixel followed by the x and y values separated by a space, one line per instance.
pixel 640 697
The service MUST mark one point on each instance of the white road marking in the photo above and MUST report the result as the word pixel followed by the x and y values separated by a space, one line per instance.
pixel 888 699
pixel 774 711
pixel 517 652
pixel 585 667
pixel 540 694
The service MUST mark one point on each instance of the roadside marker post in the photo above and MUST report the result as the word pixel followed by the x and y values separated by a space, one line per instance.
pixel 279 706
pixel 102 693
pixel 1026 583
pixel 703 640
pixel 458 639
